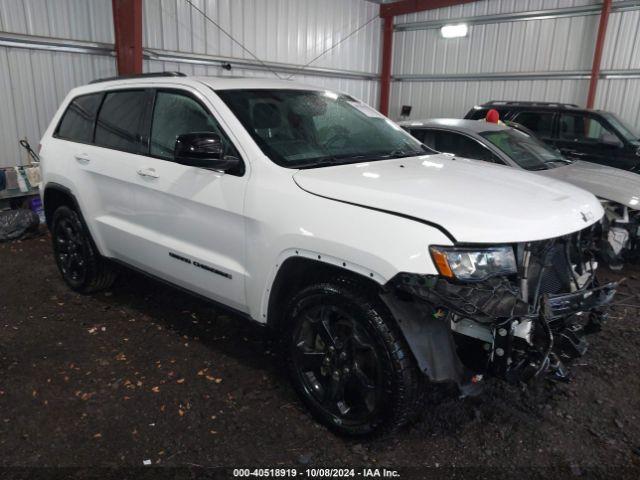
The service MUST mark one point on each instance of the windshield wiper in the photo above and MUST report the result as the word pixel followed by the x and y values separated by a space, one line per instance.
pixel 319 162
pixel 403 153
pixel 538 169
pixel 564 161
pixel 346 159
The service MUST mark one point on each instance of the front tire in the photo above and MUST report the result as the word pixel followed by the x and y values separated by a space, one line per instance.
pixel 81 266
pixel 348 360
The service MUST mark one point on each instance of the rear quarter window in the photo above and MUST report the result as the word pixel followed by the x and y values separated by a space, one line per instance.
pixel 79 118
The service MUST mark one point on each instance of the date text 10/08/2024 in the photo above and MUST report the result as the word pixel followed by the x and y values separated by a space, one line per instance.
pixel 317 472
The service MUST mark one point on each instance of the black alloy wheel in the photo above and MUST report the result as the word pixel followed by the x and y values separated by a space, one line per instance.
pixel 82 268
pixel 70 251
pixel 338 364
pixel 348 361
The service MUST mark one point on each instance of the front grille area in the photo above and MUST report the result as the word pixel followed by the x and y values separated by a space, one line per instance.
pixel 550 267
pixel 556 274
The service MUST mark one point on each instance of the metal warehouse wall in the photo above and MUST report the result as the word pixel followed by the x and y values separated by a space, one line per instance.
pixel 560 49
pixel 34 82
pixel 48 47
pixel 365 90
pixel 283 33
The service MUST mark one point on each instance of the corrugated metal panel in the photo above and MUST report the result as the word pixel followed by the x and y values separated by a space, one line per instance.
pixel 287 31
pixel 491 7
pixel 528 46
pixel 75 19
pixel 367 91
pixel 622 47
pixel 621 96
pixel 32 85
pixel 551 45
pixel 290 31
pixel 454 99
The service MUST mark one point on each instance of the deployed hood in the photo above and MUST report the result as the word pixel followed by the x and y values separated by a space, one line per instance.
pixel 475 202
pixel 604 182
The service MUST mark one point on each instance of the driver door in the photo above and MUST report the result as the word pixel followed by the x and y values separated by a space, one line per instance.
pixel 583 137
pixel 189 219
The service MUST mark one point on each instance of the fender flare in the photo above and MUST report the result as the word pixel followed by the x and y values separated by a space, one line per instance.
pixel 429 338
pixel 53 186
pixel 269 292
pixel 57 187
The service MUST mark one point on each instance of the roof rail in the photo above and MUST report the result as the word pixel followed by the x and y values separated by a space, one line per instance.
pixel 139 75
pixel 531 104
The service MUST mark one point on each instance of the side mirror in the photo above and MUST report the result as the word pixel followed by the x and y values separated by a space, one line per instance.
pixel 638 152
pixel 204 150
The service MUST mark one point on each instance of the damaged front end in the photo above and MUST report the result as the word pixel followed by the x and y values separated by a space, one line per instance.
pixel 620 235
pixel 516 325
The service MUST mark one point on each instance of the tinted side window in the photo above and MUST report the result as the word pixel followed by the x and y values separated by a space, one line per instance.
pixel 540 123
pixel 175 114
pixel 584 128
pixel 462 146
pixel 425 136
pixel 121 121
pixel 79 118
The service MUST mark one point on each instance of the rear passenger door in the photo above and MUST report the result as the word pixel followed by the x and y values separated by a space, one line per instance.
pixel 584 137
pixel 102 166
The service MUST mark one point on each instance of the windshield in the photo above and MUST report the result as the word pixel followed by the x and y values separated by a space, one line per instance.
pixel 307 129
pixel 623 128
pixel 528 152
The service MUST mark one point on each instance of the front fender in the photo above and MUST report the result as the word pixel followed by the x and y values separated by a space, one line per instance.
pixel 375 244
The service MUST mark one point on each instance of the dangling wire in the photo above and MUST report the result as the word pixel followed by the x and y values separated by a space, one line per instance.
pixel 301 69
pixel 233 39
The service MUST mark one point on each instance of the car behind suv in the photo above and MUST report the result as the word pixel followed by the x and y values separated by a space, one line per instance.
pixel 580 134
pixel 381 264
pixel 515 146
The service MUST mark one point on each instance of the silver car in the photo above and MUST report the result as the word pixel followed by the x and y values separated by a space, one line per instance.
pixel 618 190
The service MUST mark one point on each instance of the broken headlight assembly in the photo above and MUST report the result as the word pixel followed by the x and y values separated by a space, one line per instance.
pixel 473 264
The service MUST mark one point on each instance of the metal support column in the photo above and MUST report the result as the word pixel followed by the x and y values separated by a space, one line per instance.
pixel 597 54
pixel 127 25
pixel 385 75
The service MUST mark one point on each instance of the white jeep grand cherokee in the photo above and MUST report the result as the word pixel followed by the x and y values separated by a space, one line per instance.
pixel 382 265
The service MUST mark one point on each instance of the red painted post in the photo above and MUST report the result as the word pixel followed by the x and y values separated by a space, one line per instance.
pixel 597 54
pixel 127 25
pixel 385 74
pixel 412 6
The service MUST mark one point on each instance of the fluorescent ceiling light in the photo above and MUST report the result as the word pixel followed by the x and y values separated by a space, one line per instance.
pixel 454 31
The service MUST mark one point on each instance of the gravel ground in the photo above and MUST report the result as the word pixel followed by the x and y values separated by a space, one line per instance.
pixel 145 372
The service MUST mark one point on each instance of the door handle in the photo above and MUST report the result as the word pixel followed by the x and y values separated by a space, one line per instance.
pixel 148 172
pixel 82 158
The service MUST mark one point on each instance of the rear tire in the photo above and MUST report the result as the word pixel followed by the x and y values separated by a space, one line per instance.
pixel 348 360
pixel 83 269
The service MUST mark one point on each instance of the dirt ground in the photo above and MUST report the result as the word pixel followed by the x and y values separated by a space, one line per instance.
pixel 145 372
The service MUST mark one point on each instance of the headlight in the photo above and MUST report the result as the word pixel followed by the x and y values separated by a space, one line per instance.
pixel 474 263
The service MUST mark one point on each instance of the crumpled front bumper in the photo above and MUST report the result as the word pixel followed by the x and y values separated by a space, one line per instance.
pixel 563 305
pixel 518 336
